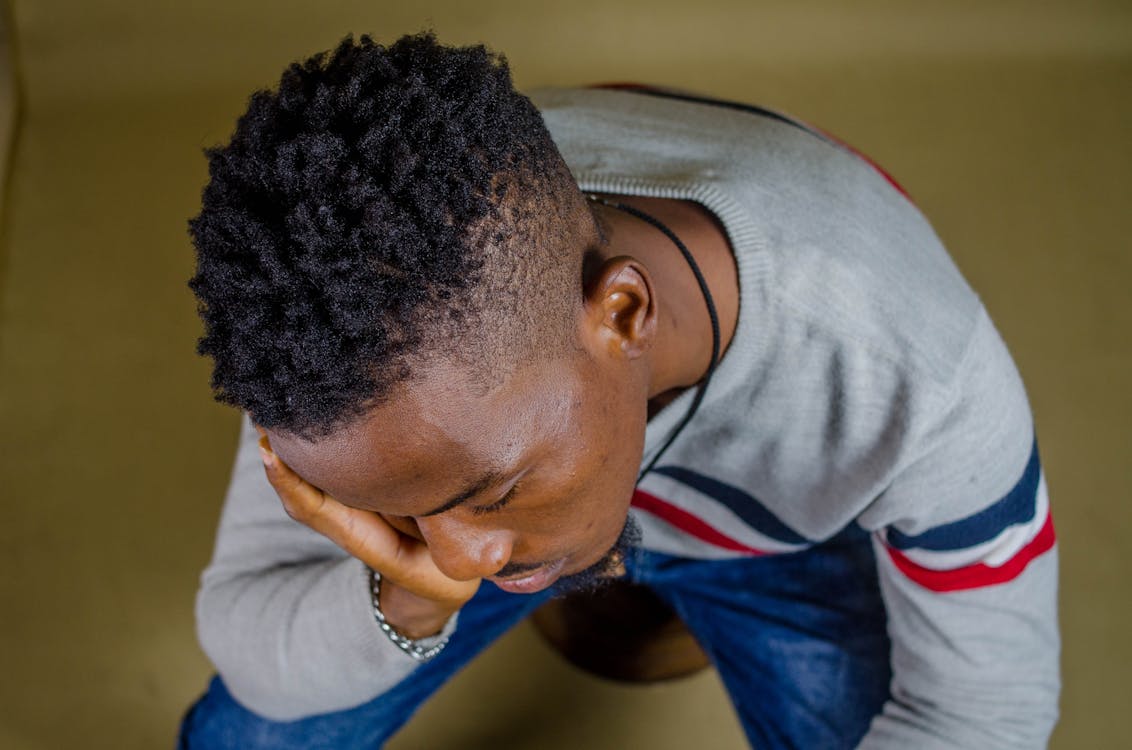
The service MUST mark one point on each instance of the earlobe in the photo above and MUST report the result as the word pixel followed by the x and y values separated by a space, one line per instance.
pixel 621 306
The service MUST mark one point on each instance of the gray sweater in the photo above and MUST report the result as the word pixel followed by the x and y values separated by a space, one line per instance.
pixel 865 384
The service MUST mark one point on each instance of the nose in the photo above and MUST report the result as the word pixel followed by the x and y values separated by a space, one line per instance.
pixel 465 551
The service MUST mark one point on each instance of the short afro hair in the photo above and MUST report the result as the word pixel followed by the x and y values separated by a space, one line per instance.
pixel 382 204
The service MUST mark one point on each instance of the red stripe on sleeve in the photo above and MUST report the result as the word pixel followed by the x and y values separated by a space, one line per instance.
pixel 977 575
pixel 631 86
pixel 689 524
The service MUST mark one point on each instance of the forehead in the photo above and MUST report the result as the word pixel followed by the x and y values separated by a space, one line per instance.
pixel 436 434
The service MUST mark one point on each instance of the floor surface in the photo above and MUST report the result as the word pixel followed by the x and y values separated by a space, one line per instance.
pixel 1009 122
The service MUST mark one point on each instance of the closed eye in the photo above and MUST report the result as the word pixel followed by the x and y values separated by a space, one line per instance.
pixel 498 504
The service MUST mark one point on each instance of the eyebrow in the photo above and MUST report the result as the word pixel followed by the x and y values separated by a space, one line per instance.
pixel 473 489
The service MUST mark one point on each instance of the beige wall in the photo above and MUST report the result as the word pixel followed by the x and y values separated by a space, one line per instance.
pixel 1009 122
pixel 81 50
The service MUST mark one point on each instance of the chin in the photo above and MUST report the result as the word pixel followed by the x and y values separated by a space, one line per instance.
pixel 609 567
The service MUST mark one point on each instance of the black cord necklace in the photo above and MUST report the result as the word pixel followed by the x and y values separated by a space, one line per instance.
pixel 712 314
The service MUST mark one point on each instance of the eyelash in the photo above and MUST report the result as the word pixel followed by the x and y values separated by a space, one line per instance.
pixel 498 504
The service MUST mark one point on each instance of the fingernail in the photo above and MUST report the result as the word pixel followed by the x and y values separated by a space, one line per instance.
pixel 266 453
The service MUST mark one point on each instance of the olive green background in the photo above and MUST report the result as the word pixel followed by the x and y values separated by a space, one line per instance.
pixel 1009 122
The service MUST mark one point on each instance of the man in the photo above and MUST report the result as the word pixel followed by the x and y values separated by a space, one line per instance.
pixel 627 335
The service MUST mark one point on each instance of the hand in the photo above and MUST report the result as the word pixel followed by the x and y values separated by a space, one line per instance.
pixel 416 597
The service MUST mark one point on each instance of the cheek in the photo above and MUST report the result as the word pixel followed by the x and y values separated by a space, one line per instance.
pixel 607 497
pixel 585 498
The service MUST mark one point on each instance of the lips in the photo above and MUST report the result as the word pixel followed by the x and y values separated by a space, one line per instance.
pixel 536 580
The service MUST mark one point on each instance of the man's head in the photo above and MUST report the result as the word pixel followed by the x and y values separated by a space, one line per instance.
pixel 401 282
pixel 383 206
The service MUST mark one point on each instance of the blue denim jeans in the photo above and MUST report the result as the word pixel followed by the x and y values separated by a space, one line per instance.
pixel 799 641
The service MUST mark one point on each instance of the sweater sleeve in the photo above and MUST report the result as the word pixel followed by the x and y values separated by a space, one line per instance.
pixel 968 570
pixel 283 613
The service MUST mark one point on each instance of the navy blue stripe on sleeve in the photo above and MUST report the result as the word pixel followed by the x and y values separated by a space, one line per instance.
pixel 737 501
pixel 1016 507
pixel 663 93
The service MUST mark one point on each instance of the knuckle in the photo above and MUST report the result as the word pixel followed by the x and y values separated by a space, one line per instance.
pixel 296 514
pixel 297 511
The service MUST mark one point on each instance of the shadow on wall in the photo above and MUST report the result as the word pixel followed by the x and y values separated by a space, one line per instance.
pixel 9 94
pixel 9 115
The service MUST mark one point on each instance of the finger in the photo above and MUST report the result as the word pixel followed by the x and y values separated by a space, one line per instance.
pixel 356 531
pixel 363 534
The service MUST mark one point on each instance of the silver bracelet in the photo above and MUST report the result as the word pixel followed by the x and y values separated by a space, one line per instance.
pixel 408 645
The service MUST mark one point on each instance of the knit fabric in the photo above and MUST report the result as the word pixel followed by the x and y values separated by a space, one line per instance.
pixel 864 385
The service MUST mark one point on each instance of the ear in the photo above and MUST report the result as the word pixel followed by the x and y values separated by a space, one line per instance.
pixel 621 312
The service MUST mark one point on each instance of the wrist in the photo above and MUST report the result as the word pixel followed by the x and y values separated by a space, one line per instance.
pixel 422 648
pixel 411 615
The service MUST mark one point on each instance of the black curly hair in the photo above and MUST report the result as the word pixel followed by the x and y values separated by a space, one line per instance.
pixel 385 203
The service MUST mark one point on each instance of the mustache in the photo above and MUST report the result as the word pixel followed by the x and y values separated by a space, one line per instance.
pixel 630 537
pixel 512 569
